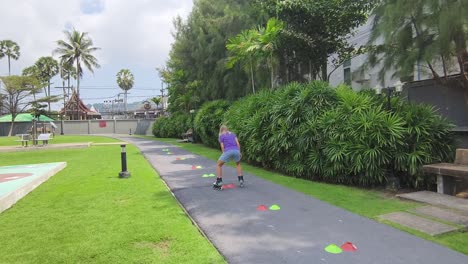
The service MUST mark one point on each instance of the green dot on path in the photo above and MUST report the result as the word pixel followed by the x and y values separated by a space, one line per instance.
pixel 333 249
pixel 275 207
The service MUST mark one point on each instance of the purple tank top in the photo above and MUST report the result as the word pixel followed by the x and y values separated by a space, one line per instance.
pixel 229 141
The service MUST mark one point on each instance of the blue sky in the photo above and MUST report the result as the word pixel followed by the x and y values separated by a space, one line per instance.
pixel 132 34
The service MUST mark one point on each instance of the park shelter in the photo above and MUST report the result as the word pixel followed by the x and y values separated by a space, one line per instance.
pixel 24 117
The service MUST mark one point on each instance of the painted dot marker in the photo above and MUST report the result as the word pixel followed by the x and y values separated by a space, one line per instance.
pixel 333 249
pixel 165 150
pixel 262 207
pixel 208 175
pixel 229 186
pixel 194 167
pixel 181 158
pixel 199 167
pixel 169 153
pixel 275 207
pixel 349 247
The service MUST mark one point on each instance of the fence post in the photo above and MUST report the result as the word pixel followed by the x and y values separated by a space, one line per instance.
pixel 89 127
pixel 115 125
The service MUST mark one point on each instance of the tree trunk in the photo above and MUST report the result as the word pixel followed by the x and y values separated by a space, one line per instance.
pixel 324 70
pixel 272 71
pixel 9 66
pixel 48 88
pixel 78 78
pixel 125 103
pixel 13 116
pixel 64 94
pixel 11 129
pixel 252 76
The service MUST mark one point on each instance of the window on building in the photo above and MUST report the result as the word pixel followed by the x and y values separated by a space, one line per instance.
pixel 347 72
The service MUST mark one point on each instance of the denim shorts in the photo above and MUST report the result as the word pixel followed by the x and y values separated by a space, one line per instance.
pixel 230 155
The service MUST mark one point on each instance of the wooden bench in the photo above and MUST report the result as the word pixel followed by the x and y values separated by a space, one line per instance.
pixel 448 173
pixel 24 139
pixel 44 138
pixel 187 136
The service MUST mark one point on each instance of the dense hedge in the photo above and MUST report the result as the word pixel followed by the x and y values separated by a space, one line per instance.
pixel 173 126
pixel 208 120
pixel 336 135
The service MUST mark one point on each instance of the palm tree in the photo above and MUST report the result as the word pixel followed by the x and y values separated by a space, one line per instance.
pixel 245 48
pixel 157 101
pixel 269 43
pixel 125 81
pixel 11 50
pixel 77 49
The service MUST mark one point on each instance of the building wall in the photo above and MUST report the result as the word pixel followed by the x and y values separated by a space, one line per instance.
pixel 370 78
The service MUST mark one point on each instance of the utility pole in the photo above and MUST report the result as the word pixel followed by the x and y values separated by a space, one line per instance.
pixel 162 96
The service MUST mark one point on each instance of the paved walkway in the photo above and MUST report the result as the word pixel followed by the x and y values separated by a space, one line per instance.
pixel 298 233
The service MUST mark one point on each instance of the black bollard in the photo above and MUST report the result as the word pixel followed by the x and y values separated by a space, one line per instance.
pixel 123 157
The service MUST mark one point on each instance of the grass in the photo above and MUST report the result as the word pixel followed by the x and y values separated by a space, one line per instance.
pixel 86 214
pixel 368 203
pixel 58 139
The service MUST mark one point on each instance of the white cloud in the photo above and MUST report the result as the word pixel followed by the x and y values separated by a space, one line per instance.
pixel 129 32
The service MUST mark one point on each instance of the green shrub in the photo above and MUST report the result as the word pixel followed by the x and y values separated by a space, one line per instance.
pixel 173 126
pixel 337 135
pixel 208 120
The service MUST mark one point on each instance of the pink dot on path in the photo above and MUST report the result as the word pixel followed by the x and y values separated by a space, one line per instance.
pixel 262 208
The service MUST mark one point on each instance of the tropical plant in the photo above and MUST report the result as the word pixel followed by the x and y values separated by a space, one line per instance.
pixel 125 80
pixel 208 120
pixel 11 50
pixel 269 40
pixel 245 49
pixel 18 91
pixel 337 135
pixel 77 49
pixel 157 101
pixel 173 126
pixel 199 52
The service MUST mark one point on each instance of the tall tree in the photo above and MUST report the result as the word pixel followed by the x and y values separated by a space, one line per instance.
pixel 315 29
pixel 433 33
pixel 11 50
pixel 157 101
pixel 269 38
pixel 125 80
pixel 77 49
pixel 199 54
pixel 18 92
pixel 47 68
pixel 245 48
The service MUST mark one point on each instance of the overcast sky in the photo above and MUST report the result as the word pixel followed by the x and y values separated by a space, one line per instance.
pixel 133 34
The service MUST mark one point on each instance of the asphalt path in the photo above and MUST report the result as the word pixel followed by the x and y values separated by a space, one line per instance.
pixel 297 233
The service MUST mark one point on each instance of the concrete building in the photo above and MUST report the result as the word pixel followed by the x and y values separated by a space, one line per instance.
pixel 347 73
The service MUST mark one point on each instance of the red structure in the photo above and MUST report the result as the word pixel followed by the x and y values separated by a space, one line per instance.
pixel 75 109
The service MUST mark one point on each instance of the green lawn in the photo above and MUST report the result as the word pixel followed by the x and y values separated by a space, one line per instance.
pixel 368 203
pixel 86 214
pixel 58 139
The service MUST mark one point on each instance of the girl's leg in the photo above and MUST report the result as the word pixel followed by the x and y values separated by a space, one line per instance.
pixel 219 169
pixel 239 168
